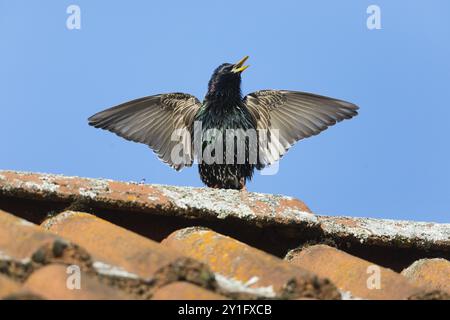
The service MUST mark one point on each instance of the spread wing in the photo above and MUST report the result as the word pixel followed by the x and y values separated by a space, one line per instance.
pixel 152 120
pixel 284 117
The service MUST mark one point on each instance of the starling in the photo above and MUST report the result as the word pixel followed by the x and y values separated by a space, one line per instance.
pixel 227 134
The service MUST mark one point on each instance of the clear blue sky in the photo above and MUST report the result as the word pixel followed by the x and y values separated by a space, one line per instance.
pixel 392 161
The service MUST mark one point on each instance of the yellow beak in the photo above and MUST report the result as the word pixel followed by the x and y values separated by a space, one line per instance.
pixel 239 67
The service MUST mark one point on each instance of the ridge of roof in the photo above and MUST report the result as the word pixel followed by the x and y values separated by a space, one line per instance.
pixel 218 204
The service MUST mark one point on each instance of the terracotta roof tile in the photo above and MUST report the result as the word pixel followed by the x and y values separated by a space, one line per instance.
pixel 23 295
pixel 7 286
pixel 119 253
pixel 244 268
pixel 24 246
pixel 431 295
pixel 430 273
pixel 50 282
pixel 185 291
pixel 353 275
pixel 185 201
pixel 387 232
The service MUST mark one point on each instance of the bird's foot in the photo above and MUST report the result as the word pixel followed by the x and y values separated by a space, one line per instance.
pixel 242 186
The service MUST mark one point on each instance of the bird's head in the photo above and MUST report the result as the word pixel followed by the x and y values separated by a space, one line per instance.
pixel 227 77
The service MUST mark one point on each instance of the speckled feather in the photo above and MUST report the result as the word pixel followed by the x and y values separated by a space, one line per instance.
pixel 281 117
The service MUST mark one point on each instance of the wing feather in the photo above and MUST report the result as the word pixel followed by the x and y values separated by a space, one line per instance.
pixel 152 121
pixel 286 117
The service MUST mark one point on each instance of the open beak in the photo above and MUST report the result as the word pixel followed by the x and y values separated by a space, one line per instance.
pixel 239 67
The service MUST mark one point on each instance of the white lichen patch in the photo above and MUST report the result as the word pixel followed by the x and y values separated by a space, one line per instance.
pixel 234 285
pixel 387 230
pixel 301 216
pixel 153 198
pixel 45 186
pixel 57 219
pixel 233 203
pixel 347 295
pixel 87 193
pixel 26 223
pixel 6 258
pixel 113 271
pixel 95 188
pixel 221 202
pixel 183 233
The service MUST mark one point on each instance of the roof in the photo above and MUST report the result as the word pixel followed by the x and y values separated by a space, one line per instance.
pixel 135 241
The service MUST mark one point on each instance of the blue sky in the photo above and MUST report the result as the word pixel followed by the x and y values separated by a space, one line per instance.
pixel 392 161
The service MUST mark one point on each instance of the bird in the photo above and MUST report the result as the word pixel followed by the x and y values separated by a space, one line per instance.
pixel 255 130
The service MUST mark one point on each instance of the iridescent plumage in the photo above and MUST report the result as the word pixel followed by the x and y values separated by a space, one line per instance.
pixel 280 118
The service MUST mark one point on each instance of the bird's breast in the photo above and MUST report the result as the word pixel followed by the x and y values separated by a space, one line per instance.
pixel 225 116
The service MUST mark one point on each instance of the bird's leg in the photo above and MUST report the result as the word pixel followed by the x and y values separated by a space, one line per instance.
pixel 242 186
